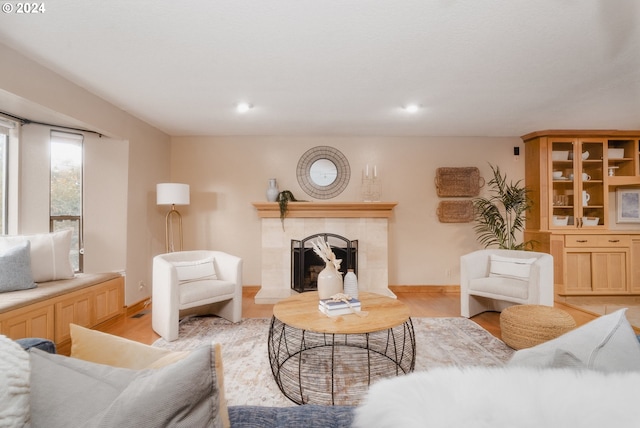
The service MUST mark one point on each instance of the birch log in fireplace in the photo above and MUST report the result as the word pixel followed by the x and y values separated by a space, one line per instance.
pixel 366 222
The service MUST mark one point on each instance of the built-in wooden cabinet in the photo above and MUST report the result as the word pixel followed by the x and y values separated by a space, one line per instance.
pixel 572 176
pixel 596 264
pixel 34 321
pixel 50 319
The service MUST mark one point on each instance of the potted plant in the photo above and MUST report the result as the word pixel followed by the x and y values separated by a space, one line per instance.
pixel 283 200
pixel 502 215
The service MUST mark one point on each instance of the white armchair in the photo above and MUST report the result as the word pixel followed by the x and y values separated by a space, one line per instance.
pixel 195 282
pixel 512 277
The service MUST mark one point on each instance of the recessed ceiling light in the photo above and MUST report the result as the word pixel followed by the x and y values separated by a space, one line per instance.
pixel 243 107
pixel 411 108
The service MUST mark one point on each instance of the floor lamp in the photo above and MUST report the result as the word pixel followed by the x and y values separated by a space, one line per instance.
pixel 172 194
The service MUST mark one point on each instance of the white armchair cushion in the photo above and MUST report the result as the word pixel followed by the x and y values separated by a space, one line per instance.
pixel 198 291
pixel 196 270
pixel 510 267
pixel 507 287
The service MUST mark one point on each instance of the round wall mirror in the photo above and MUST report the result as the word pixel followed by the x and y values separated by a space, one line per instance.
pixel 323 172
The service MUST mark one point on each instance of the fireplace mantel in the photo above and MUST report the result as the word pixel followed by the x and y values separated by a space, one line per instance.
pixel 327 209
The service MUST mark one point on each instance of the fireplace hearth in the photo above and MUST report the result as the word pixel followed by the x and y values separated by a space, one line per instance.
pixel 306 264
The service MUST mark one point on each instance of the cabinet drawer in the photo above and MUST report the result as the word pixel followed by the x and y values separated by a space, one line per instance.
pixel 597 241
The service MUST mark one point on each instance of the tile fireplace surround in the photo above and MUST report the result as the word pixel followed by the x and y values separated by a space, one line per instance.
pixel 366 222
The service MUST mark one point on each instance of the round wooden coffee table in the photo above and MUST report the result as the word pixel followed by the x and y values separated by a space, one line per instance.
pixel 317 359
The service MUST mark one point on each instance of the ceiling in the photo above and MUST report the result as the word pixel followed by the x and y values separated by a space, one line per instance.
pixel 346 67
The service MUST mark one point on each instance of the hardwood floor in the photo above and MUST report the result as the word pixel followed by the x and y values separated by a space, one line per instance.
pixel 421 304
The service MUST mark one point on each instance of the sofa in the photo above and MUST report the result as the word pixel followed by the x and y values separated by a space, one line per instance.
pixel 589 377
pixel 107 380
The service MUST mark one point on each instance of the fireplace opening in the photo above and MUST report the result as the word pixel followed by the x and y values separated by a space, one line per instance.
pixel 306 264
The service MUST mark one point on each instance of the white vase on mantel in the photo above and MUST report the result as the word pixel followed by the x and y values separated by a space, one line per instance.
pixel 272 190
pixel 329 282
pixel 351 284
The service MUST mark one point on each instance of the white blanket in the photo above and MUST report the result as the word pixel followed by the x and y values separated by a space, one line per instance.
pixel 503 397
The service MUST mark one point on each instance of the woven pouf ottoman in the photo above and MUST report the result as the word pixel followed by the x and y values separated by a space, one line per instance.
pixel 524 326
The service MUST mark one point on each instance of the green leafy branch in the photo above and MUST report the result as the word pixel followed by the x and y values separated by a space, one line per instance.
pixel 502 215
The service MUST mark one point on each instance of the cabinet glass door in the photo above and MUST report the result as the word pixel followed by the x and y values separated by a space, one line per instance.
pixel 592 194
pixel 563 184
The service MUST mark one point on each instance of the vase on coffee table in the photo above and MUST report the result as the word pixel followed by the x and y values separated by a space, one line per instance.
pixel 329 282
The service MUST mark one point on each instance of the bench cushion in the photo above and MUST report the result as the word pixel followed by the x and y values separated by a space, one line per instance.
pixel 46 290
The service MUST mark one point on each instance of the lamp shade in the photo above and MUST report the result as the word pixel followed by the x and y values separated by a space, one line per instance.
pixel 172 194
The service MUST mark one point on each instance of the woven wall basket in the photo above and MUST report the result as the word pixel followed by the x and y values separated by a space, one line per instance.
pixel 458 182
pixel 455 211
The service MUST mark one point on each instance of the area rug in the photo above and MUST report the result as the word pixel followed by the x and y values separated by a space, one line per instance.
pixel 247 373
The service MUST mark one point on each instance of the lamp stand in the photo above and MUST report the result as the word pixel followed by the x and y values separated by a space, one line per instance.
pixel 169 229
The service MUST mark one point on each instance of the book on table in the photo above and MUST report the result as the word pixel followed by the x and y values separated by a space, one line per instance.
pixel 340 311
pixel 330 307
pixel 337 304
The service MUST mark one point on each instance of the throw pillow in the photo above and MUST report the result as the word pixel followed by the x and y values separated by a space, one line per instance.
pixel 510 267
pixel 196 270
pixel 607 344
pixel 15 268
pixel 104 348
pixel 71 392
pixel 49 254
pixel 14 384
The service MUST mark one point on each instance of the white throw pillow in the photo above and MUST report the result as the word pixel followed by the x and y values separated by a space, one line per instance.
pixel 510 267
pixel 196 270
pixel 607 344
pixel 14 384
pixel 49 254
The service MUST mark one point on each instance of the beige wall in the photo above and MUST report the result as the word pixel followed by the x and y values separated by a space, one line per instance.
pixel 227 174
pixel 28 86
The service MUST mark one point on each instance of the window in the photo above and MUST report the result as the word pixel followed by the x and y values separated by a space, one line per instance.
pixel 4 185
pixel 66 189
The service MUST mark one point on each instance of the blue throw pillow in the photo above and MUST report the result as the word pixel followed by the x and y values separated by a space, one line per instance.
pixel 15 268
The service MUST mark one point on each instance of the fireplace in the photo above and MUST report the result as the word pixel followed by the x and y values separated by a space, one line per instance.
pixel 366 222
pixel 306 264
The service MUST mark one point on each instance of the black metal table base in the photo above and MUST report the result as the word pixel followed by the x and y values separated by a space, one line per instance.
pixel 337 369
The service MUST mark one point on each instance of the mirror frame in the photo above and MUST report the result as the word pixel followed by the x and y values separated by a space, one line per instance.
pixel 304 172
